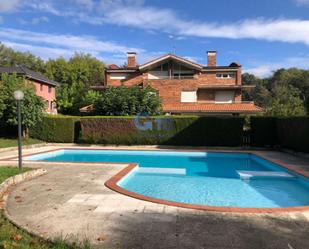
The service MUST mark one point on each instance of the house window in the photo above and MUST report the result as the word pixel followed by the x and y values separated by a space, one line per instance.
pixel 41 87
pixel 49 89
pixel 188 96
pixel 118 76
pixel 224 96
pixel 46 104
pixel 225 75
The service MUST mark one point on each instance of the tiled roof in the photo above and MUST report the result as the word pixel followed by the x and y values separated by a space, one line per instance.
pixel 212 108
pixel 20 70
pixel 170 56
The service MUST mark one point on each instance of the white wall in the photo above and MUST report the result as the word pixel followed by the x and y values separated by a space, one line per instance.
pixel 188 96
pixel 118 76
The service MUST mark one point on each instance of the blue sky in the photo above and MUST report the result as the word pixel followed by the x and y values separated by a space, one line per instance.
pixel 261 35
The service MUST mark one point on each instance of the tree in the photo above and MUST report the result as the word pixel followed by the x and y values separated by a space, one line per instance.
pixel 76 76
pixel 269 93
pixel 124 101
pixel 9 57
pixel 285 101
pixel 31 107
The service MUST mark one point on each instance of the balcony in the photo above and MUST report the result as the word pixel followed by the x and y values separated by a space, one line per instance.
pixel 171 77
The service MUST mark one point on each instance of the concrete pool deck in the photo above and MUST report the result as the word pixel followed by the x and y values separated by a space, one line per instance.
pixel 72 200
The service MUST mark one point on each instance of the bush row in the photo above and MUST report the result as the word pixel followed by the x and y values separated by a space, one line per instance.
pixel 292 133
pixel 59 129
pixel 191 131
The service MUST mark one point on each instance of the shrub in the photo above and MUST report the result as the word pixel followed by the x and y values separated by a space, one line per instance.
pixel 263 131
pixel 293 133
pixel 192 131
pixel 61 129
pixel 125 101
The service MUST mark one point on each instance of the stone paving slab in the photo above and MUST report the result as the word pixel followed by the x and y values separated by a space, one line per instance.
pixel 72 200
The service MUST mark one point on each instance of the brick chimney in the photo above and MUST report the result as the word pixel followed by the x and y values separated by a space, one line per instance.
pixel 212 58
pixel 131 59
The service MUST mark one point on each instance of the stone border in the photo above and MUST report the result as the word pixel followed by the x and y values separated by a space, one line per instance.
pixel 16 179
pixel 26 147
pixel 4 193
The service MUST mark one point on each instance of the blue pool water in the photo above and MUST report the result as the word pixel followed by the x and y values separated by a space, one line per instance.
pixel 198 177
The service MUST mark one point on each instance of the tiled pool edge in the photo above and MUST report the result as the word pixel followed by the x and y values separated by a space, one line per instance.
pixel 112 184
pixel 292 168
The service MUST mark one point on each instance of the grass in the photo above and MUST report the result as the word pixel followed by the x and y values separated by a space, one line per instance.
pixel 11 237
pixel 11 142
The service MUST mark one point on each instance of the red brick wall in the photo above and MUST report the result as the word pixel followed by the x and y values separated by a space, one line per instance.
pixel 170 89
pixel 206 95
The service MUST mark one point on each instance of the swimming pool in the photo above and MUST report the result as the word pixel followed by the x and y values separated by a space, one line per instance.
pixel 240 180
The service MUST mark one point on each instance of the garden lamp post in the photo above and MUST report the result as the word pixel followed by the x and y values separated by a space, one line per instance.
pixel 19 95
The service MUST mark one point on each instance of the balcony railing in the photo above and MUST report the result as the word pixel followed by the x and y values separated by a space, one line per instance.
pixel 171 77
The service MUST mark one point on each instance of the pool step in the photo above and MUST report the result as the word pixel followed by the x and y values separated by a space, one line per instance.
pixel 263 174
pixel 152 170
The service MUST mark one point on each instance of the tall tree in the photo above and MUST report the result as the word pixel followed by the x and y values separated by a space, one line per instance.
pixel 285 101
pixel 76 76
pixel 9 57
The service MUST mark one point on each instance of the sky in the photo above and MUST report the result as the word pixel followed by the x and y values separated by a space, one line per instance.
pixel 261 35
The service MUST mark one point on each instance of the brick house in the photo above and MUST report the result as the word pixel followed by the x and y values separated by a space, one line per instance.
pixel 186 87
pixel 44 87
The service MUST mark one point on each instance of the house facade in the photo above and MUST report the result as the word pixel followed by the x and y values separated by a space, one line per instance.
pixel 184 86
pixel 44 87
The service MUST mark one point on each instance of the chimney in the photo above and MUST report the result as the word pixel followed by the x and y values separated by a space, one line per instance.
pixel 131 59
pixel 212 58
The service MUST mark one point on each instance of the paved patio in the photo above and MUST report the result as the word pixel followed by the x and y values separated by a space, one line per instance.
pixel 71 200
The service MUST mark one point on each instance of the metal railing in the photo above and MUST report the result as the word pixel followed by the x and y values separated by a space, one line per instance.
pixel 173 77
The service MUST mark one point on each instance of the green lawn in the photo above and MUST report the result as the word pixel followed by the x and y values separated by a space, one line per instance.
pixel 12 237
pixel 11 142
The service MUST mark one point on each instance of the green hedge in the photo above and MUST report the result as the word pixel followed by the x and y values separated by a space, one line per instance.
pixel 56 128
pixel 263 131
pixel 176 130
pixel 293 133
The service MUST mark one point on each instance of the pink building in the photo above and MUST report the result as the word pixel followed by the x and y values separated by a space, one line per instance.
pixel 44 87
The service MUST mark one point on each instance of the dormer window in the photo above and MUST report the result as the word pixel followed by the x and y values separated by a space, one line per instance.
pixel 225 75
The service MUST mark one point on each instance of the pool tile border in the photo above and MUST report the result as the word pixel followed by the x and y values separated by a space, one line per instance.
pixel 112 183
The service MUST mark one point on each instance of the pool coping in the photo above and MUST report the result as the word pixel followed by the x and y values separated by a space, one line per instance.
pixel 112 183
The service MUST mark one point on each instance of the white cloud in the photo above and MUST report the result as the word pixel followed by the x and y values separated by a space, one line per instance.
pixel 88 4
pixel 78 43
pixel 302 2
pixel 285 30
pixel 48 46
pixel 34 21
pixel 133 13
pixel 8 5
pixel 265 70
pixel 42 51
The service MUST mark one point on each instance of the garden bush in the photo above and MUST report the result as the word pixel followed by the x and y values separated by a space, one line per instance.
pixel 56 128
pixel 263 131
pixel 168 130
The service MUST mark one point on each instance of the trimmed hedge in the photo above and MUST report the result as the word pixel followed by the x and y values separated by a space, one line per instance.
pixel 293 133
pixel 60 129
pixel 168 130
pixel 263 131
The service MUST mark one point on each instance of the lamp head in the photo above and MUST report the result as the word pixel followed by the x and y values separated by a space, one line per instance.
pixel 18 95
